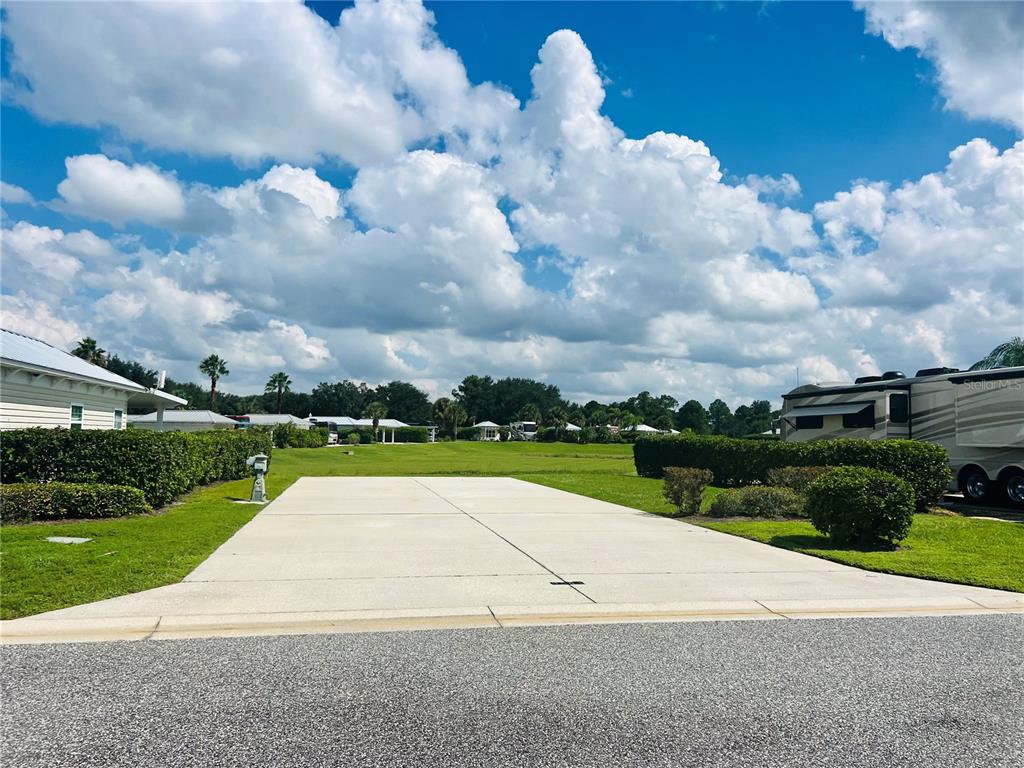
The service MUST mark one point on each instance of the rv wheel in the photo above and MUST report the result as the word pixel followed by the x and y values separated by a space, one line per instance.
pixel 1014 486
pixel 974 485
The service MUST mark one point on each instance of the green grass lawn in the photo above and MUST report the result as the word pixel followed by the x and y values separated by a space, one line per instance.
pixel 132 554
pixel 985 553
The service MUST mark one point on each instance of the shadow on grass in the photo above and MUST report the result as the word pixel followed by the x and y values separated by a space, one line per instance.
pixel 823 543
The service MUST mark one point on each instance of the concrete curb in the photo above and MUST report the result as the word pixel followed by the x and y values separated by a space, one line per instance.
pixel 57 630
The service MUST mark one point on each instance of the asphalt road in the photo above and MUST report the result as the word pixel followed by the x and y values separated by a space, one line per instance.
pixel 936 692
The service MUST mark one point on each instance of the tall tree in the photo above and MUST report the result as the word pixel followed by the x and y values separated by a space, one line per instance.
pixel 215 368
pixel 449 414
pixel 720 417
pixel 278 384
pixel 90 351
pixel 693 416
pixel 476 395
pixel 1006 355
pixel 404 401
pixel 340 398
pixel 376 411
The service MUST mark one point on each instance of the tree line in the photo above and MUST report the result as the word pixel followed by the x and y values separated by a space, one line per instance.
pixel 476 398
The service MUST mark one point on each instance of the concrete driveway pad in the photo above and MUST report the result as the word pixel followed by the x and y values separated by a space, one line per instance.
pixel 352 554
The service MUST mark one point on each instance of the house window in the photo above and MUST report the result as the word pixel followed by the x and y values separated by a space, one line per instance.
pixel 77 414
pixel 809 422
pixel 899 408
pixel 861 419
pixel 118 419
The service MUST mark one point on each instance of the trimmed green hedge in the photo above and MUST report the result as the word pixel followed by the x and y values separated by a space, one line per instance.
pixel 410 435
pixel 25 502
pixel 738 462
pixel 163 465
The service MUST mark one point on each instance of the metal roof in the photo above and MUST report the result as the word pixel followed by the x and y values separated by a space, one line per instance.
pixel 20 351
pixel 485 424
pixel 274 418
pixel 348 421
pixel 185 417
pixel 17 348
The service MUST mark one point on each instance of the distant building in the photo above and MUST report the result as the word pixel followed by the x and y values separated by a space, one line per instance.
pixel 42 386
pixel 271 420
pixel 489 431
pixel 183 421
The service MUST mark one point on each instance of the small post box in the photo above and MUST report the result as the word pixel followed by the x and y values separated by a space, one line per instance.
pixel 259 464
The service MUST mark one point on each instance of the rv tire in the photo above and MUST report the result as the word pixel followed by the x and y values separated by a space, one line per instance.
pixel 975 485
pixel 1013 487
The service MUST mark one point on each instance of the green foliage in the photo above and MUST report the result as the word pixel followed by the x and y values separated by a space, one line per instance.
pixel 1006 355
pixel 27 502
pixel 163 465
pixel 410 435
pixel 737 462
pixel 684 487
pixel 758 501
pixel 467 433
pixel 861 507
pixel 288 435
pixel 352 438
pixel 797 478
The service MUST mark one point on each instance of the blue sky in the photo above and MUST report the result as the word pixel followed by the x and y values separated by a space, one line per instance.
pixel 632 253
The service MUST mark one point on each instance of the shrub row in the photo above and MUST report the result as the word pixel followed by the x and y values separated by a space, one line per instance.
pixel 289 436
pixel 163 465
pixel 738 462
pixel 758 501
pixel 25 502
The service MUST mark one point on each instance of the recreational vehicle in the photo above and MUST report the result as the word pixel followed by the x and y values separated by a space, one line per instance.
pixel 977 416
pixel 523 430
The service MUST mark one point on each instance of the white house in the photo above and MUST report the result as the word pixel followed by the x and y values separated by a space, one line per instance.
pixel 343 423
pixel 488 431
pixel 182 421
pixel 272 420
pixel 42 386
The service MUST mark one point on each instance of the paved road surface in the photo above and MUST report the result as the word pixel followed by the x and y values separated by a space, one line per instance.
pixel 931 692
pixel 463 552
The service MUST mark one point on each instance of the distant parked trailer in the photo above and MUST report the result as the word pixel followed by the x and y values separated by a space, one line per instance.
pixel 977 416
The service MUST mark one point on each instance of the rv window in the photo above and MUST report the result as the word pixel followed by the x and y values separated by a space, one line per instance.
pixel 899 411
pixel 862 418
pixel 809 422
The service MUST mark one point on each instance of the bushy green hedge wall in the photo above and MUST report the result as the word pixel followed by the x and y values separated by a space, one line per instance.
pixel 163 465
pixel 737 462
pixel 25 502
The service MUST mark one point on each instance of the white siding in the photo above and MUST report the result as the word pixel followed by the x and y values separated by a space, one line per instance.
pixel 27 400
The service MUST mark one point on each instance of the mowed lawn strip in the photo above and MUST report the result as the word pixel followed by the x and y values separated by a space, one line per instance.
pixel 983 553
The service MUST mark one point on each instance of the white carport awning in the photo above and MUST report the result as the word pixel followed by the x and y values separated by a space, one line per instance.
pixel 833 409
pixel 155 398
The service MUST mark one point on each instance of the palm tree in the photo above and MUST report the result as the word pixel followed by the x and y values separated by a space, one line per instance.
pixel 450 413
pixel 1006 355
pixel 376 411
pixel 278 383
pixel 214 367
pixel 90 351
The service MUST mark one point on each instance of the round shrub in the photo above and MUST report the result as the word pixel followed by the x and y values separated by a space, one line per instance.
pixel 758 501
pixel 353 438
pixel 861 507
pixel 684 487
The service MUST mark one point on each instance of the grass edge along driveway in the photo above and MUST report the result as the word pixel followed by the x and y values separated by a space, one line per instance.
pixel 137 553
